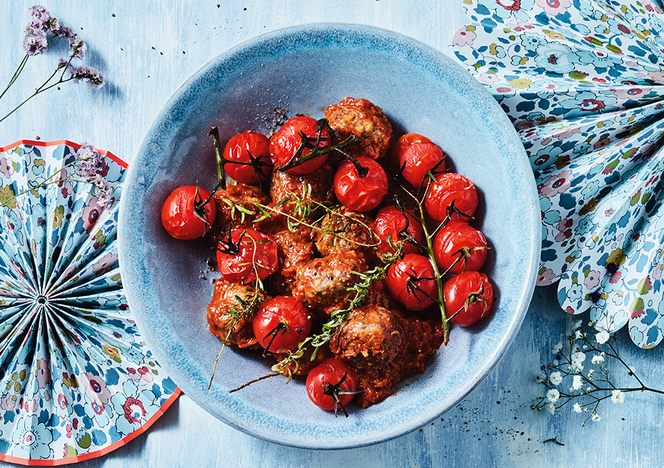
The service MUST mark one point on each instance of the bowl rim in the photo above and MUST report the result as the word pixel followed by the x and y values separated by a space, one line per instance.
pixel 165 348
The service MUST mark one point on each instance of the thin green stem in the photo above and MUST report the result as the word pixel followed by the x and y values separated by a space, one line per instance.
pixel 16 74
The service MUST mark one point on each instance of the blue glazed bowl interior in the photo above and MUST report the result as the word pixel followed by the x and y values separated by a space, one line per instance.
pixel 303 70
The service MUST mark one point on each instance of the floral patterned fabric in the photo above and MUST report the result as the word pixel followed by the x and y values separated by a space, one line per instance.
pixel 77 378
pixel 582 82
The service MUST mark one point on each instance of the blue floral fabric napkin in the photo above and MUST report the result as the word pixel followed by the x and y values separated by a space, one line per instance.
pixel 582 82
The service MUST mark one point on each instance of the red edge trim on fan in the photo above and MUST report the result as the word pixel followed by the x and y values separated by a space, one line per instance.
pixel 125 440
pixel 100 453
pixel 108 154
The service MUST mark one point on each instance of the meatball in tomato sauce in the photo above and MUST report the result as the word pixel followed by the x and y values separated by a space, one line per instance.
pixel 366 121
pixel 235 332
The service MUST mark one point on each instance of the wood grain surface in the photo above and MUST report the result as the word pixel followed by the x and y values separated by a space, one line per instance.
pixel 146 50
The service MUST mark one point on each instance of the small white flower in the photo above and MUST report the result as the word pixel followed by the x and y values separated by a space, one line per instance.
pixel 555 378
pixel 553 395
pixel 577 408
pixel 576 382
pixel 578 358
pixel 618 397
pixel 576 324
pixel 598 359
pixel 551 407
pixel 578 335
pixel 596 417
pixel 541 378
pixel 602 337
pixel 558 348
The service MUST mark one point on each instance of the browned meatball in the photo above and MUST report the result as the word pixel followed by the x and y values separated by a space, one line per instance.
pixel 315 186
pixel 231 203
pixel 385 348
pixel 223 318
pixel 372 336
pixel 295 250
pixel 322 284
pixel 346 232
pixel 366 121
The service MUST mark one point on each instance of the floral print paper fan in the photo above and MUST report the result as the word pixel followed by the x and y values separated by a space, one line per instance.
pixel 76 378
pixel 583 83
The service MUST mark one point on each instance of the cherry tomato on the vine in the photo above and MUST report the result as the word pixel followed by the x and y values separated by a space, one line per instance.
pixel 357 193
pixel 468 298
pixel 412 283
pixel 391 222
pixel 239 148
pixel 288 139
pixel 449 188
pixel 461 243
pixel 331 377
pixel 246 253
pixel 413 155
pixel 281 324
pixel 179 217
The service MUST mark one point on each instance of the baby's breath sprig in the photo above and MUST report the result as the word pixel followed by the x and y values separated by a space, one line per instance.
pixel 569 381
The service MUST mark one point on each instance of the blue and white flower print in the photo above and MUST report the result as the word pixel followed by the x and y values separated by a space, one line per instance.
pixel 70 350
pixel 583 83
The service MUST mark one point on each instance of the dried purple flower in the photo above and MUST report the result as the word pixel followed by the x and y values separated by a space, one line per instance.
pixel 77 48
pixel 35 41
pixel 92 77
pixel 64 32
pixel 39 14
pixel 89 162
pixel 104 191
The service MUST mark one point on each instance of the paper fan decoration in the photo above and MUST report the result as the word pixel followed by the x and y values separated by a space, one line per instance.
pixel 77 380
pixel 583 83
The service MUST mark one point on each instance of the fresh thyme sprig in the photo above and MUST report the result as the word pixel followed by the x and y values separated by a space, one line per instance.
pixel 244 307
pixel 588 388
pixel 304 209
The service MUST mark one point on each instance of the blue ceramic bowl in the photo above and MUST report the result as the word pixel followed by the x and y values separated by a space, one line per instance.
pixel 302 70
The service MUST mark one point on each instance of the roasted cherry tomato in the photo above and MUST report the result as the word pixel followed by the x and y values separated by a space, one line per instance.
pixel 360 193
pixel 179 217
pixel 281 324
pixel 298 131
pixel 411 282
pixel 468 298
pixel 328 382
pixel 241 148
pixel 461 243
pixel 246 253
pixel 449 188
pixel 390 222
pixel 413 155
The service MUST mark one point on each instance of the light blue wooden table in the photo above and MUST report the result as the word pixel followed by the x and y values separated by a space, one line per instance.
pixel 146 49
